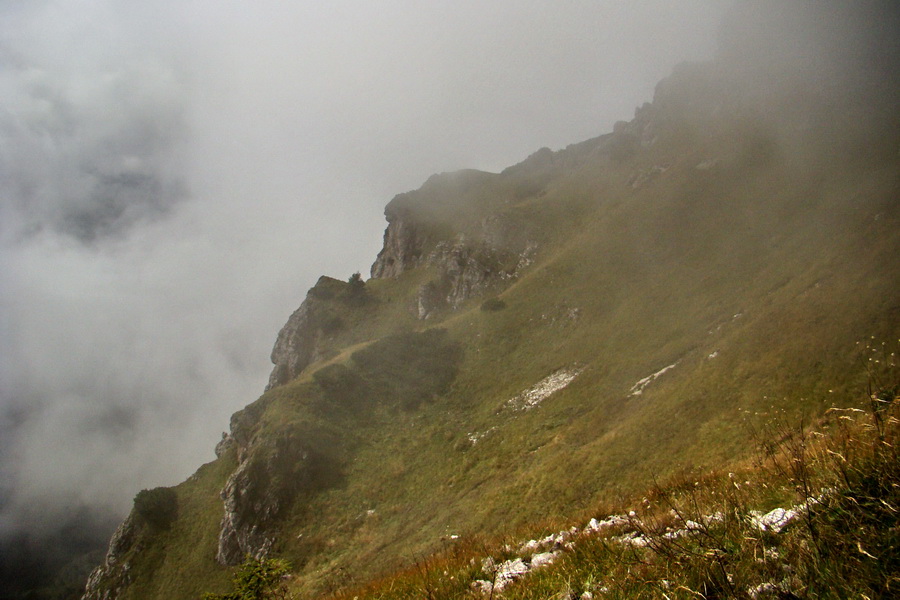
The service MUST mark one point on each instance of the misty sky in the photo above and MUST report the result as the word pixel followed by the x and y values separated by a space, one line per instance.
pixel 174 175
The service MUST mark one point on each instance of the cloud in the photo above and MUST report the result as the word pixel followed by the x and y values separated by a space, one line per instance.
pixel 90 146
pixel 175 175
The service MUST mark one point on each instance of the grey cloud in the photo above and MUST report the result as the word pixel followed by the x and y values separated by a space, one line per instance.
pixel 174 176
pixel 89 154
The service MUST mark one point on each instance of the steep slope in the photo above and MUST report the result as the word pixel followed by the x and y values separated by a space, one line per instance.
pixel 534 341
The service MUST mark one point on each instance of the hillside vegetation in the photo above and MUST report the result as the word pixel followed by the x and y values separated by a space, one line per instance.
pixel 813 514
pixel 551 339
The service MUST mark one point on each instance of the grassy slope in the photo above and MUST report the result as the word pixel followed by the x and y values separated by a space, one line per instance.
pixel 175 563
pixel 699 540
pixel 775 268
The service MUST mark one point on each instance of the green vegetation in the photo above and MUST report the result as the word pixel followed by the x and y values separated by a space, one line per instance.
pixel 714 535
pixel 410 367
pixel 694 288
pixel 493 304
pixel 356 289
pixel 258 579
pixel 157 507
pixel 177 562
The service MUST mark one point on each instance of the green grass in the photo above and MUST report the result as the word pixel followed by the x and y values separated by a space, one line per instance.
pixel 178 561
pixel 753 278
pixel 701 540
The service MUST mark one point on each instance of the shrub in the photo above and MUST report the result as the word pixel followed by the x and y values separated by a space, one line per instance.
pixel 258 579
pixel 493 304
pixel 356 290
pixel 157 507
pixel 410 367
pixel 343 387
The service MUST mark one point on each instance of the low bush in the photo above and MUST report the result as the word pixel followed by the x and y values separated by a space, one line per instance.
pixel 157 508
pixel 493 304
pixel 258 579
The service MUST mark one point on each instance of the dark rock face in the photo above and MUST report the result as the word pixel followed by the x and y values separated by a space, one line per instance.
pixel 467 271
pixel 226 444
pixel 298 344
pixel 240 535
pixel 403 244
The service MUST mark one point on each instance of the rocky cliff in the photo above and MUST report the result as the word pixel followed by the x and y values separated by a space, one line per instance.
pixel 273 472
pixel 108 580
pixel 466 265
pixel 533 341
pixel 305 337
pixel 472 251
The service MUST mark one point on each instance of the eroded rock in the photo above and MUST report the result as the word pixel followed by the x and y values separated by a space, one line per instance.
pixel 107 581
pixel 272 474
pixel 304 338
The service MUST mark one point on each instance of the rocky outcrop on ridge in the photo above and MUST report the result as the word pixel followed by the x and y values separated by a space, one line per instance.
pixel 272 473
pixel 469 263
pixel 303 339
pixel 108 580
pixel 468 271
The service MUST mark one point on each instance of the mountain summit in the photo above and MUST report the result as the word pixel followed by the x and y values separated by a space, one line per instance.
pixel 535 341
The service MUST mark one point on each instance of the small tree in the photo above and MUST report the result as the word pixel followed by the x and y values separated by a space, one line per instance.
pixel 356 292
pixel 157 507
pixel 258 579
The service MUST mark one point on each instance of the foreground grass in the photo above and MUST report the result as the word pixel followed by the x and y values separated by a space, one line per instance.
pixel 817 515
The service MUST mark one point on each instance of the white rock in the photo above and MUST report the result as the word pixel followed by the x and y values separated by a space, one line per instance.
pixel 543 559
pixel 544 388
pixel 549 540
pixel 775 520
pixel 633 539
pixel 638 388
pixel 707 164
pixel 764 589
pixel 480 585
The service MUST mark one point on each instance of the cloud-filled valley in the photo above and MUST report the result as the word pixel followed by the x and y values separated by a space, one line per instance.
pixel 174 176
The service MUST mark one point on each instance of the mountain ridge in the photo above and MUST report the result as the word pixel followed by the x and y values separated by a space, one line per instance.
pixel 535 340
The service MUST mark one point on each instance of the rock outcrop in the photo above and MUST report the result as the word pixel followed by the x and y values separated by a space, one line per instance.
pixel 241 533
pixel 468 270
pixel 272 473
pixel 108 580
pixel 404 240
pixel 469 263
pixel 303 339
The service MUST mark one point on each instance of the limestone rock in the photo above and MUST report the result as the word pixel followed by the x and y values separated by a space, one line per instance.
pixel 467 265
pixel 107 581
pixel 303 339
pixel 404 240
pixel 272 473
pixel 226 444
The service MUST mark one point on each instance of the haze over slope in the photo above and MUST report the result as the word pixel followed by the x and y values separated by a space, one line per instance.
pixel 535 340
pixel 174 175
